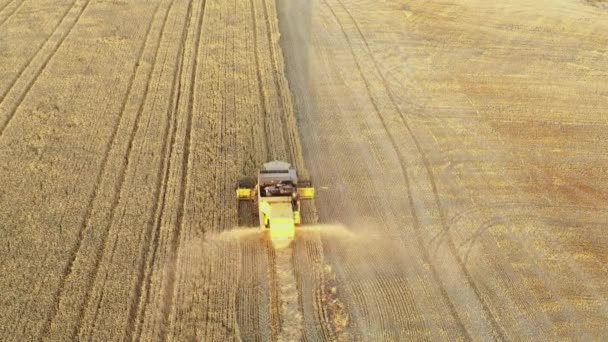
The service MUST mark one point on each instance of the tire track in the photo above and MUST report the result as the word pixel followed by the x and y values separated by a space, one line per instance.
pixel 175 108
pixel 284 284
pixel 406 176
pixel 18 323
pixel 228 151
pixel 371 205
pixel 486 307
pixel 214 310
pixel 325 316
pixel 175 87
pixel 67 268
pixel 536 270
pixel 5 5
pixel 255 314
pixel 132 136
pixel 274 72
pixel 86 222
pixel 261 93
pixel 7 114
pixel 160 192
pixel 515 301
pixel 103 171
pixel 455 219
pixel 3 21
pixel 62 275
pixel 521 214
pixel 22 69
pixel 512 280
pixel 64 219
pixel 186 150
pixel 329 308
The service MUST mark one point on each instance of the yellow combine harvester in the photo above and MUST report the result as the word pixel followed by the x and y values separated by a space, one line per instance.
pixel 276 196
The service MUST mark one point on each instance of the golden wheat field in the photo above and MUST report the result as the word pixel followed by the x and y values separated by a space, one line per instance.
pixel 458 150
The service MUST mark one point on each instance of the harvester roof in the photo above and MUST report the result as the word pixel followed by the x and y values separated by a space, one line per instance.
pixel 277 171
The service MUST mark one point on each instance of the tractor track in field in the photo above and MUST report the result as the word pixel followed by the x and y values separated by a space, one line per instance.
pixel 5 5
pixel 221 124
pixel 497 328
pixel 256 298
pixel 25 66
pixel 86 221
pixel 403 166
pixel 14 10
pixel 29 87
pixel 135 298
pixel 186 150
pixel 11 110
pixel 270 153
pixel 478 235
pixel 274 71
pixel 261 93
pixel 527 249
pixel 175 87
pixel 286 295
pixel 455 219
pixel 160 192
pixel 103 171
pixel 44 328
pixel 65 272
pixel 469 204
pixel 519 212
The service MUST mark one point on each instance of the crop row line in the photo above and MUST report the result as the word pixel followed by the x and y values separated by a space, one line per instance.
pixel 7 114
pixel 111 146
pixel 403 166
pixel 164 181
pixel 144 236
pixel 65 34
pixel 14 10
pixel 185 162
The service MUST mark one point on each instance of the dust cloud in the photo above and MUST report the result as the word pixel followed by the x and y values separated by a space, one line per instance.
pixel 330 231
pixel 234 235
pixel 290 313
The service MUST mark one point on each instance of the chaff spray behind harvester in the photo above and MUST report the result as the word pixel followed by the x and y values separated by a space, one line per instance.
pixel 276 199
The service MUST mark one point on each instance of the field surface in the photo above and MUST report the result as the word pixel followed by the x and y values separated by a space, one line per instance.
pixel 458 149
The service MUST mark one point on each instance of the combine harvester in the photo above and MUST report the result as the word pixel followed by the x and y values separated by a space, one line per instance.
pixel 276 198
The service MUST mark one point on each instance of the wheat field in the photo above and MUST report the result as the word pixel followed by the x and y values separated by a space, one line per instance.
pixel 457 149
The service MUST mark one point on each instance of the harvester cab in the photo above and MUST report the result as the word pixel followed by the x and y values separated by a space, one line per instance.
pixel 277 197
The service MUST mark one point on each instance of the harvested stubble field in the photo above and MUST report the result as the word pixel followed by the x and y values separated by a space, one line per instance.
pixel 458 150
